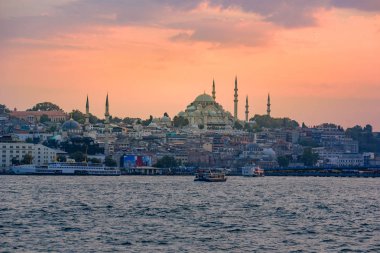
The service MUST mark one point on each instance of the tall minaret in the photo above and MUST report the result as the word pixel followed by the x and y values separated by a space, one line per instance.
pixel 246 109
pixel 236 101
pixel 106 127
pixel 87 122
pixel 107 114
pixel 213 89
pixel 268 105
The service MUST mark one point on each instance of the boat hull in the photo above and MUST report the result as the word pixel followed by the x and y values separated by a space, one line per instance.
pixel 210 180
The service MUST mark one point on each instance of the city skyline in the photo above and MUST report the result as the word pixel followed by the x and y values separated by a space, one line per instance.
pixel 318 59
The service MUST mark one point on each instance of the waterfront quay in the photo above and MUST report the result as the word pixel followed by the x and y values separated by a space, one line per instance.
pixel 325 172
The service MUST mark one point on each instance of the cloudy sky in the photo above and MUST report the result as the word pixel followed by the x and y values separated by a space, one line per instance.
pixel 319 59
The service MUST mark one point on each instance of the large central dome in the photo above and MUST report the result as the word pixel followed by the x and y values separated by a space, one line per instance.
pixel 204 98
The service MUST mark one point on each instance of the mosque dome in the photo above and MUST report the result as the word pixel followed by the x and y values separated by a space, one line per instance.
pixel 70 125
pixel 269 152
pixel 204 98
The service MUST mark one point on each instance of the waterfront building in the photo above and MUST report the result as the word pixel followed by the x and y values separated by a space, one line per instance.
pixel 17 150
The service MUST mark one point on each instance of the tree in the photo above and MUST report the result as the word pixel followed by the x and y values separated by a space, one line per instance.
pixel 201 126
pixel 130 121
pixel 93 119
pixel 78 116
pixel 269 122
pixel 366 139
pixel 115 120
pixel 4 109
pixel 45 106
pixel 110 162
pixel 309 158
pixel 44 118
pixel 95 160
pixel 61 158
pixel 166 114
pixel 78 156
pixel 27 159
pixel 180 121
pixel 166 162
pixel 283 161
pixel 147 121
pixel 15 161
pixel 238 126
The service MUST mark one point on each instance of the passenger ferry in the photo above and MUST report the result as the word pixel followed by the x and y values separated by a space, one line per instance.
pixel 209 175
pixel 252 171
pixel 61 168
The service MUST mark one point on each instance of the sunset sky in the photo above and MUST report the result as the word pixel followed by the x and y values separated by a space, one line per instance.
pixel 319 59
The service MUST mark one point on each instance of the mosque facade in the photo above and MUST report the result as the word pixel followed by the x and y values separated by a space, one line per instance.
pixel 204 112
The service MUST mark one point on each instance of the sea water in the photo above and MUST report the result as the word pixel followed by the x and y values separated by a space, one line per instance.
pixel 175 214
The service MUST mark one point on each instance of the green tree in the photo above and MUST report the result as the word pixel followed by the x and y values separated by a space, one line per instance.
pixel 78 116
pixel 238 126
pixel 166 162
pixel 309 158
pixel 78 156
pixel 366 139
pixel 45 106
pixel 147 121
pixel 110 162
pixel 95 160
pixel 166 114
pixel 269 122
pixel 180 121
pixel 4 109
pixel 93 119
pixel 27 159
pixel 15 161
pixel 61 158
pixel 283 161
pixel 44 118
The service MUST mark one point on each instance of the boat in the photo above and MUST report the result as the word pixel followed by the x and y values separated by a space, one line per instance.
pixel 210 175
pixel 66 168
pixel 252 171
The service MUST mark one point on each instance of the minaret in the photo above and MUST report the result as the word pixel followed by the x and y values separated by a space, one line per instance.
pixel 246 109
pixel 87 122
pixel 213 89
pixel 107 114
pixel 236 101
pixel 268 105
pixel 106 127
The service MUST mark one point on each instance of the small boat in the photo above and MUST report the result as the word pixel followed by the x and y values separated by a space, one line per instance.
pixel 209 175
pixel 252 171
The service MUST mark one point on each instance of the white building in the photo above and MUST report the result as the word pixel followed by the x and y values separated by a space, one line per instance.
pixel 40 153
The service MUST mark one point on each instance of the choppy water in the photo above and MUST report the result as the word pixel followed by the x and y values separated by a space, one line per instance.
pixel 175 214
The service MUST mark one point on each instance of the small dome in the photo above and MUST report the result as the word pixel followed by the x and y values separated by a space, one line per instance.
pixel 191 108
pixel 165 119
pixel 269 152
pixel 70 125
pixel 204 98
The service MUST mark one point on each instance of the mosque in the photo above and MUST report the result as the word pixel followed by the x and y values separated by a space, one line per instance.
pixel 205 112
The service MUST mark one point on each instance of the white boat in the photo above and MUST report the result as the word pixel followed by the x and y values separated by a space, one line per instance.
pixel 252 171
pixel 59 168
